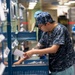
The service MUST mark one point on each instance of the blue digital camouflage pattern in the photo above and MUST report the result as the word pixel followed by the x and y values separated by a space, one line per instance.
pixel 43 18
pixel 65 56
pixel 37 13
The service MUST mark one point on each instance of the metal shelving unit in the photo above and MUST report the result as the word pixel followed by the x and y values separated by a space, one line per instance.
pixel 9 37
pixel 26 69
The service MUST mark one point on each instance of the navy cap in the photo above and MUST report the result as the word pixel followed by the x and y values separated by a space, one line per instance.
pixel 37 13
pixel 43 18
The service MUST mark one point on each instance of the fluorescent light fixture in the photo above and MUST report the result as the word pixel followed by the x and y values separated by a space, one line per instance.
pixel 70 2
pixel 67 3
pixel 32 5
pixel 62 6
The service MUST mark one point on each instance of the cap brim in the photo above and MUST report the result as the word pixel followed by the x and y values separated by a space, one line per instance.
pixel 36 24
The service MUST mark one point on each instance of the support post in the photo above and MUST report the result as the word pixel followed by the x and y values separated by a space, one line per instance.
pixel 9 37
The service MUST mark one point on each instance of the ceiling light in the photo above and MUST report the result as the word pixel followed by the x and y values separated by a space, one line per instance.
pixel 69 3
pixel 32 5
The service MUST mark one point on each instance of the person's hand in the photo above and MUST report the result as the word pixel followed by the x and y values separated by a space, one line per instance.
pixel 20 61
pixel 28 54
pixel 17 63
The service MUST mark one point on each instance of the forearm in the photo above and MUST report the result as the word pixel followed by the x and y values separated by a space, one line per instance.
pixel 52 49
pixel 22 59
pixel 40 51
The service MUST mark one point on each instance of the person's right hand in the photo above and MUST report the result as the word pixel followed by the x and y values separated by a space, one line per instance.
pixel 28 54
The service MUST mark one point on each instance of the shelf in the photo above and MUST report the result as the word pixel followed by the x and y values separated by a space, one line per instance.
pixel 22 36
